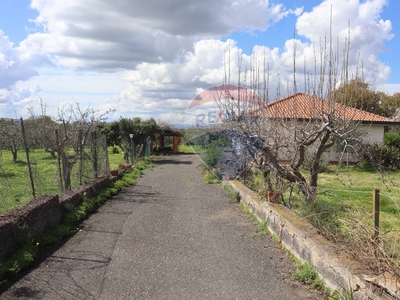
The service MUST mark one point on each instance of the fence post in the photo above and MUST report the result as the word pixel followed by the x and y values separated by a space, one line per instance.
pixel 60 172
pixel 27 158
pixel 375 213
pixel 80 149
pixel 94 153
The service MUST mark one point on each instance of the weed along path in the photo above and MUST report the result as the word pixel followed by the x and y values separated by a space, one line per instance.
pixel 171 236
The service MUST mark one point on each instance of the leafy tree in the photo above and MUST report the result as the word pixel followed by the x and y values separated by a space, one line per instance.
pixel 112 131
pixel 11 136
pixel 118 133
pixel 214 151
pixel 391 108
pixel 390 105
pixel 41 132
pixel 359 94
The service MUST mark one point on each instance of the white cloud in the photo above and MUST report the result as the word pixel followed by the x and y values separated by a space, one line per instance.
pixel 14 102
pixel 358 19
pixel 62 86
pixel 155 84
pixel 166 52
pixel 17 64
pixel 107 35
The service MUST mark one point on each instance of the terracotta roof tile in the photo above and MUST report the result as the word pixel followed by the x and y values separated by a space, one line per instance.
pixel 303 106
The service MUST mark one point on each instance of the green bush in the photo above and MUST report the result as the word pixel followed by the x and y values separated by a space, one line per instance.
pixel 391 139
pixel 215 150
pixel 382 156
pixel 55 235
pixel 231 193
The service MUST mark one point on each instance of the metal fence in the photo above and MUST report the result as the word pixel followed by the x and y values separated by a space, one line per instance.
pixel 37 162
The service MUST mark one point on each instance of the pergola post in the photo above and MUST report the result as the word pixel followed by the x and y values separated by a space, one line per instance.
pixel 176 143
pixel 162 141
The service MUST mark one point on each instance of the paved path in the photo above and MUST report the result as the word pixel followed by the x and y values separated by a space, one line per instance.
pixel 169 237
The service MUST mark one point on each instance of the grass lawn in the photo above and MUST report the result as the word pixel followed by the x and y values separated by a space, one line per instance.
pixel 355 186
pixel 352 190
pixel 194 149
pixel 15 184
pixel 345 196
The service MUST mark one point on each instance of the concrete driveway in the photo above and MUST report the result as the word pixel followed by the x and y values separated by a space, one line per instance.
pixel 171 236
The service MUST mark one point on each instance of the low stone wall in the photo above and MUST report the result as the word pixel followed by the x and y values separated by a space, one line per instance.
pixel 340 272
pixel 71 199
pixel 43 213
pixel 27 222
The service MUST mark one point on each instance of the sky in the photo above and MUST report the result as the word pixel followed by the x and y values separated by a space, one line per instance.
pixel 151 58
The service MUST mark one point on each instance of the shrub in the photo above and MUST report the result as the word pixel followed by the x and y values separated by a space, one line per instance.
pixel 391 139
pixel 382 156
pixel 215 150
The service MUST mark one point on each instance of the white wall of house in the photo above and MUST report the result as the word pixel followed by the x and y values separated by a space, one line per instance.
pixel 374 134
pixel 371 133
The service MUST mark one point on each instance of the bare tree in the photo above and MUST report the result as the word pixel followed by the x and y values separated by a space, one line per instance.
pixel 67 136
pixel 41 130
pixel 295 134
pixel 76 127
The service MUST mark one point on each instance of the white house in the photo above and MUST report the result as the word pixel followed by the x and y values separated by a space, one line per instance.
pixel 303 110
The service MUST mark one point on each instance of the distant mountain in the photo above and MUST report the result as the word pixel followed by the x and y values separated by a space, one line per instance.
pixel 181 126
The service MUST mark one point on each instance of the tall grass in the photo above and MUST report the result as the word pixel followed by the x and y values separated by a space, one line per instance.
pixel 345 196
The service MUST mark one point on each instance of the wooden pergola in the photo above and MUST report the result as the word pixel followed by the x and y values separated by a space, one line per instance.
pixel 168 131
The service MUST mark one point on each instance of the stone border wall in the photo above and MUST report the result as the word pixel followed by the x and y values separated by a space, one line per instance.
pixel 43 213
pixel 339 271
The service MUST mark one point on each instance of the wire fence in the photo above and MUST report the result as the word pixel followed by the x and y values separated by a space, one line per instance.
pixel 37 162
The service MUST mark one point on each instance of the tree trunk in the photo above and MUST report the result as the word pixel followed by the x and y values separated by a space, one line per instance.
pixel 267 179
pixel 272 163
pixel 315 168
pixel 52 152
pixel 14 155
pixel 66 170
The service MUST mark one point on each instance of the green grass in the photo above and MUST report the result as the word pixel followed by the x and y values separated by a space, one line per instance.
pixel 262 229
pixel 27 253
pixel 354 186
pixel 15 186
pixel 350 188
pixel 115 159
pixel 231 193
pixel 347 193
pixel 211 178
pixel 193 149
